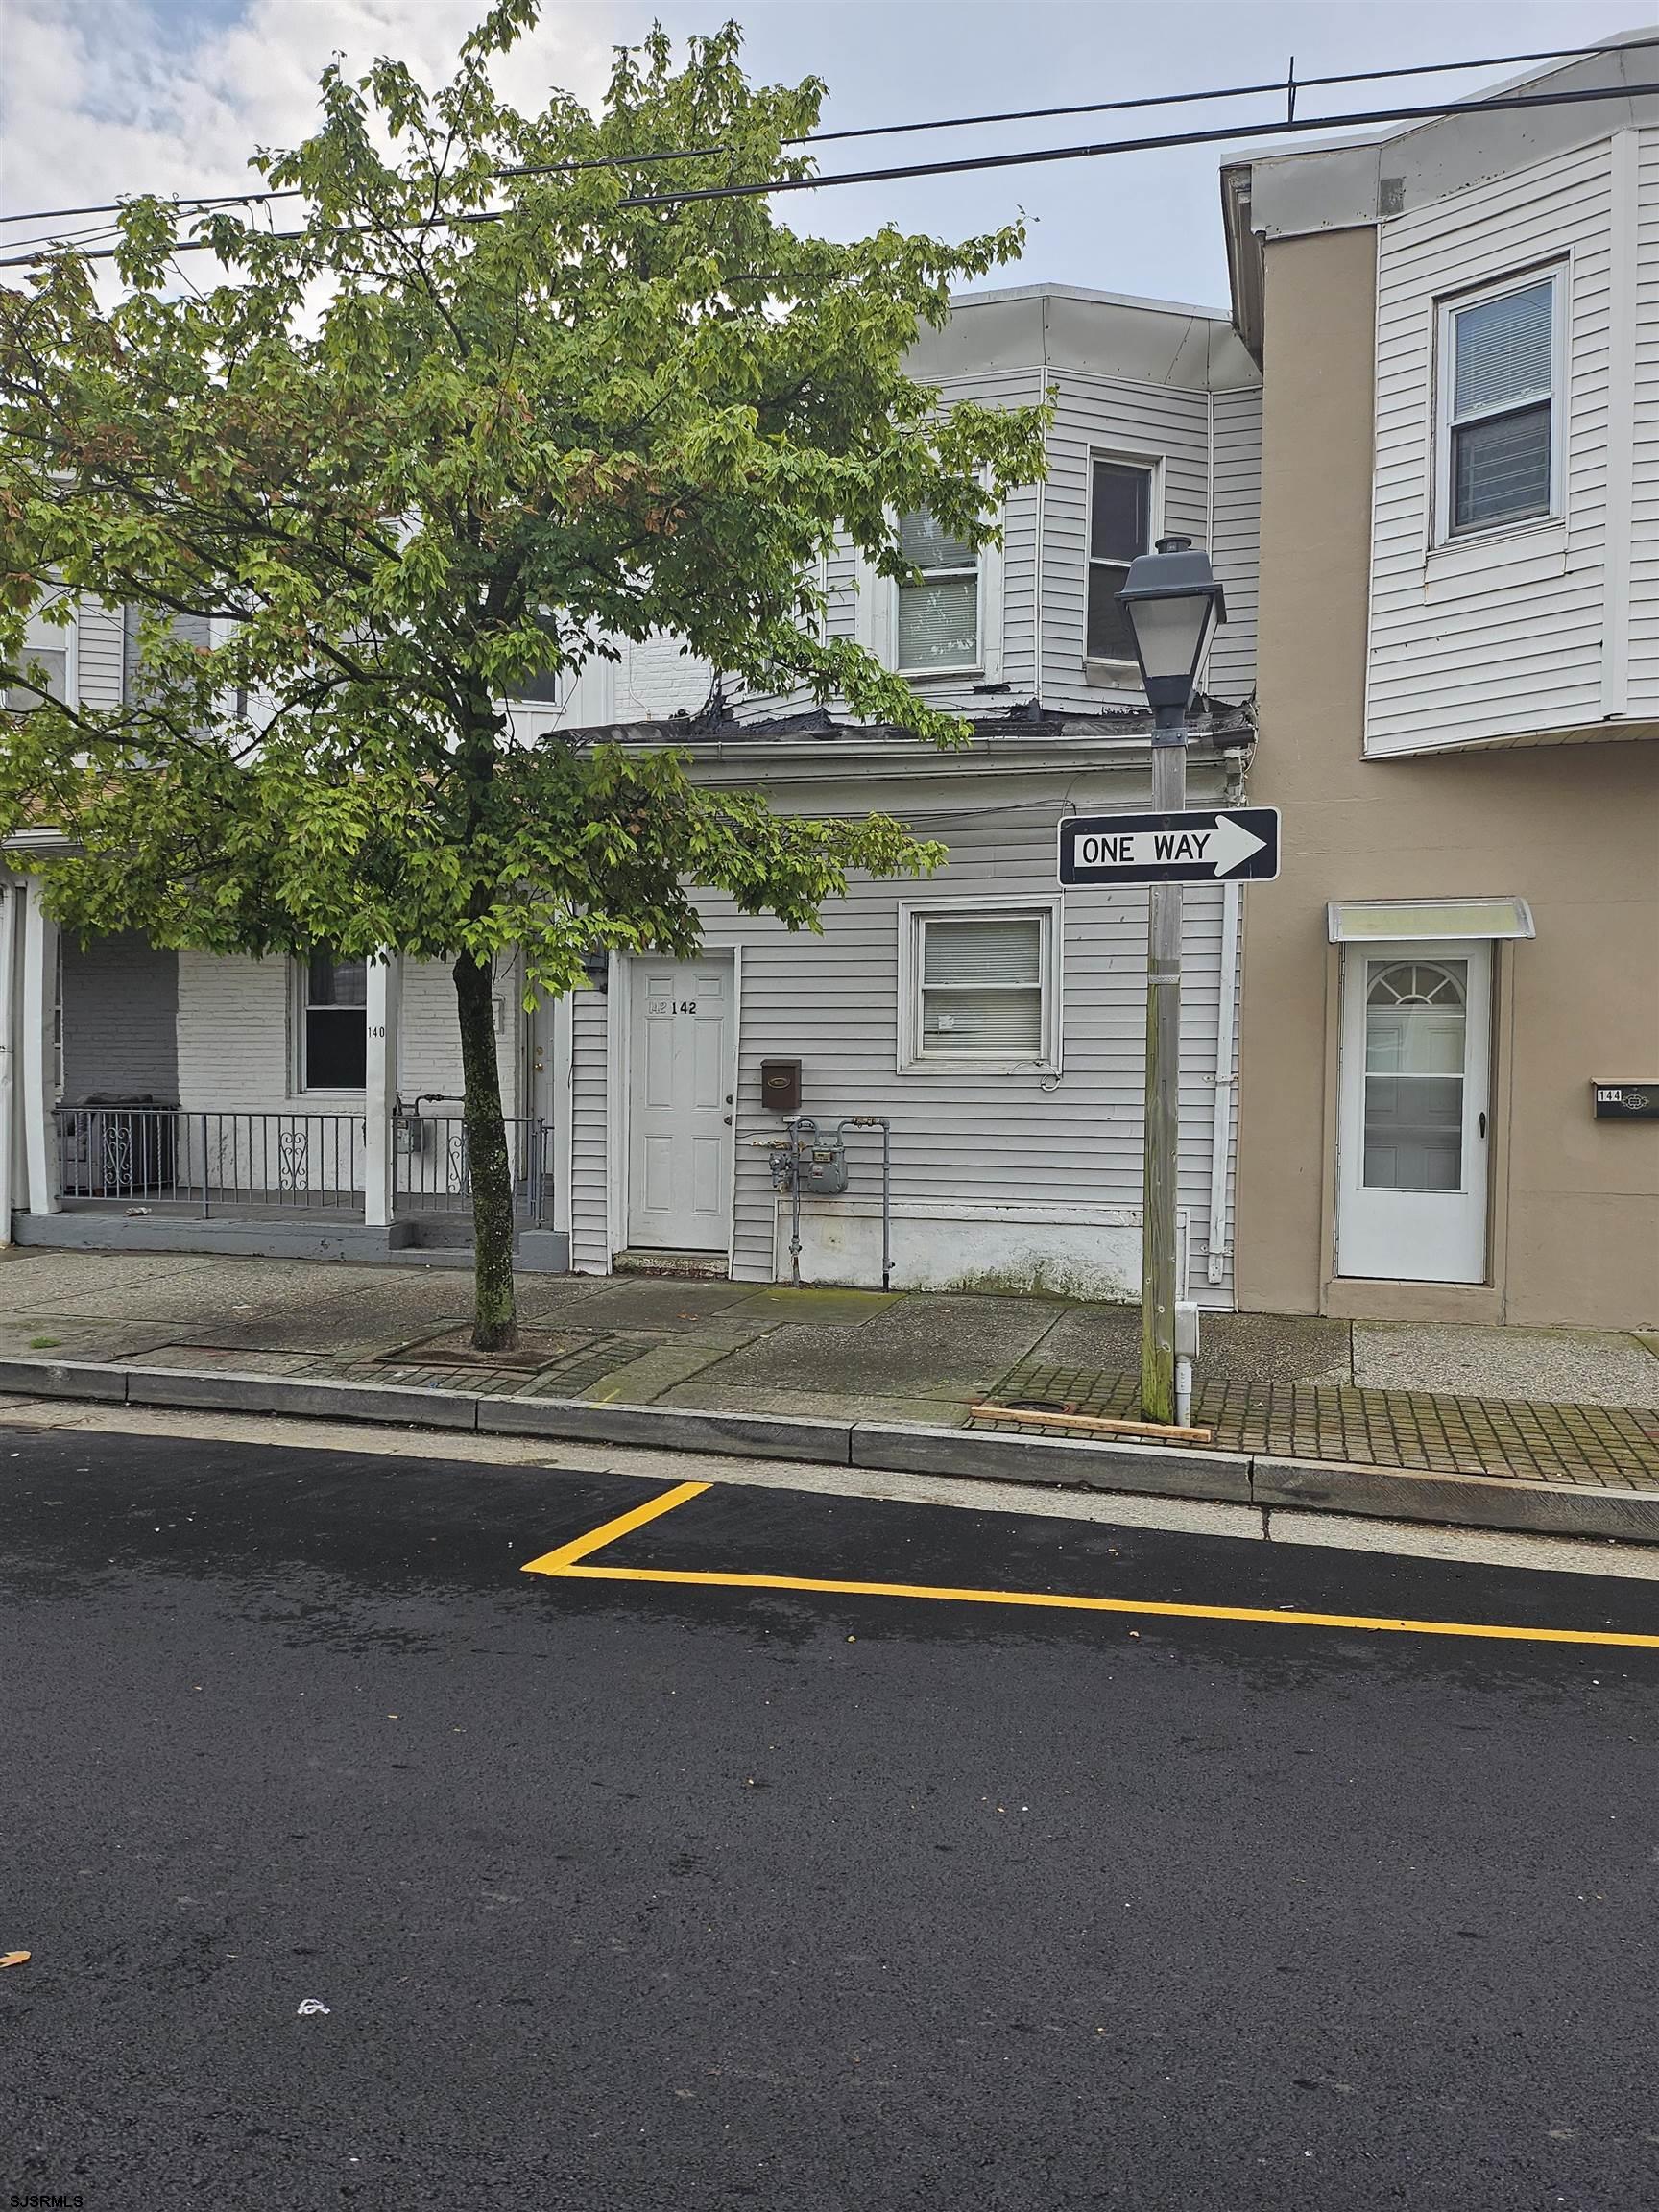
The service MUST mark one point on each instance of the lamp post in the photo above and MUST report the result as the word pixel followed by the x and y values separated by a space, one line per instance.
pixel 1174 607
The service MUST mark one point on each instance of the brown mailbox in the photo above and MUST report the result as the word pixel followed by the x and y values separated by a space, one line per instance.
pixel 780 1085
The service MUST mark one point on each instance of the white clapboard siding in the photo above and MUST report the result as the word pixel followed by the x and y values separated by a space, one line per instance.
pixel 591 1245
pixel 860 600
pixel 1235 535
pixel 1474 643
pixel 1643 676
pixel 1165 424
pixel 1026 1139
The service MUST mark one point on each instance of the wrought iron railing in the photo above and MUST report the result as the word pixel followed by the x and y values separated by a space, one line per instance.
pixel 230 1163
pixel 210 1162
pixel 432 1169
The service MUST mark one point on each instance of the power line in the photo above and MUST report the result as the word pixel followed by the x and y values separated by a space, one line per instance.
pixel 1217 135
pixel 1290 86
pixel 1507 102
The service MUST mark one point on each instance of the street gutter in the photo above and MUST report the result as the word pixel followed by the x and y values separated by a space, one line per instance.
pixel 1062 1463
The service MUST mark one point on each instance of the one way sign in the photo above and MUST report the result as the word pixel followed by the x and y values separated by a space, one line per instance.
pixel 1232 844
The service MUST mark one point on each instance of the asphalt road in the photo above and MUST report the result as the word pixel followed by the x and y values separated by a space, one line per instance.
pixel 627 1896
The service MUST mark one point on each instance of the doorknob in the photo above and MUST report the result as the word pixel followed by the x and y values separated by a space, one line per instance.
pixel 727 1119
pixel 1483 1124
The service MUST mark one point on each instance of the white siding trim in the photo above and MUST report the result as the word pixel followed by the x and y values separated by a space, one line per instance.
pixel 1499 635
pixel 1622 279
pixel 618 1075
pixel 563 1098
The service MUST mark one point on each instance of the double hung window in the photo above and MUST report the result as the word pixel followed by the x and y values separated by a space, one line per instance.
pixel 1499 432
pixel 334 1033
pixel 938 626
pixel 45 659
pixel 1119 531
pixel 982 988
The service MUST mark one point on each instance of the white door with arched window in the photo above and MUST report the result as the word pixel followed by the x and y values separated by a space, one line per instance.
pixel 1413 1125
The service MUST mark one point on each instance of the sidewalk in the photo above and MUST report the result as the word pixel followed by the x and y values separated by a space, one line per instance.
pixel 1557 1407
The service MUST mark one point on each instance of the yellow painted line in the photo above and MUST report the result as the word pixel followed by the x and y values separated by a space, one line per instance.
pixel 562 1561
pixel 566 1562
pixel 1133 1605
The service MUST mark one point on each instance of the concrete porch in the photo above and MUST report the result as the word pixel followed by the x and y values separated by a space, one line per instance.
pixel 165 1103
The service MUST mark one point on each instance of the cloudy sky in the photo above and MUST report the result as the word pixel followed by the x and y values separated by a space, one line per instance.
pixel 103 96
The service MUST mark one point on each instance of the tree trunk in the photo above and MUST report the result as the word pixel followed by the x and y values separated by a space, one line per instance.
pixel 495 1321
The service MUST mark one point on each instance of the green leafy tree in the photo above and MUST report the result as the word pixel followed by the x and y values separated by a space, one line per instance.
pixel 475 410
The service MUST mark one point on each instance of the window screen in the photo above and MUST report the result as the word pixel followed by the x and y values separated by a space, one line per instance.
pixel 938 618
pixel 1119 523
pixel 336 1023
pixel 1503 407
pixel 981 986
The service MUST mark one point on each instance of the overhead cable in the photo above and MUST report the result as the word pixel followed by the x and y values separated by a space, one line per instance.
pixel 1290 85
pixel 765 187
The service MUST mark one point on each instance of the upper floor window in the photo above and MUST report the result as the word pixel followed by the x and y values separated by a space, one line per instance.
pixel 335 1029
pixel 939 617
pixel 1119 531
pixel 47 658
pixel 1499 397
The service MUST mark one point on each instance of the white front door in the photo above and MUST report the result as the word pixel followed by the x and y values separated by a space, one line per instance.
pixel 1411 1139
pixel 682 1053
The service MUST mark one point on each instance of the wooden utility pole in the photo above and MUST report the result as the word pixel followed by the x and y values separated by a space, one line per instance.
pixel 1158 1227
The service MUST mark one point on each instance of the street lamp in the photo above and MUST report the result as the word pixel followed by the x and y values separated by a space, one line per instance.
pixel 1174 607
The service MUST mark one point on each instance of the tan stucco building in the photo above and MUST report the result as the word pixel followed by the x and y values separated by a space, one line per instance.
pixel 1458 648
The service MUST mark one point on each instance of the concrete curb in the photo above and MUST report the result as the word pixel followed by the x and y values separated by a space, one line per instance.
pixel 1064 1463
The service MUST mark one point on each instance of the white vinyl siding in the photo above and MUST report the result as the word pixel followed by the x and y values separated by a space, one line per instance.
pixel 1234 536
pixel 1494 637
pixel 1161 427
pixel 591 1237
pixel 1642 700
pixel 965 1134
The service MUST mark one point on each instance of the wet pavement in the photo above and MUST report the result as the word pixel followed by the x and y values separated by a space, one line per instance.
pixel 1572 1406
pixel 637 1893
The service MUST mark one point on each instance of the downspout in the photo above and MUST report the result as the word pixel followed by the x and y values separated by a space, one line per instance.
pixel 1221 1113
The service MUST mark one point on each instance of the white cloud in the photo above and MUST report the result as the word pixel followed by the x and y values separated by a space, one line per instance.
pixel 100 97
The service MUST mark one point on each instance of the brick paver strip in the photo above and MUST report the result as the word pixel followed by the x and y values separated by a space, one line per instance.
pixel 1601 1446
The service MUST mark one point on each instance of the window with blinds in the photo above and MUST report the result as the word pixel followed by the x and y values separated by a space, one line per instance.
pixel 938 616
pixel 1500 407
pixel 1119 531
pixel 983 983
